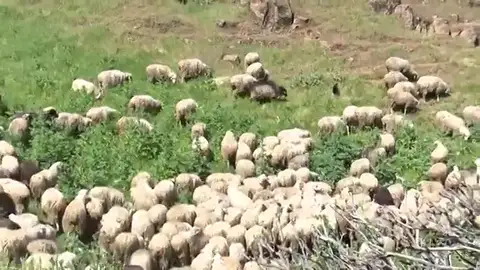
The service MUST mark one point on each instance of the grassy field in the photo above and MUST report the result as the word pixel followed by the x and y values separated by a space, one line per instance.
pixel 47 43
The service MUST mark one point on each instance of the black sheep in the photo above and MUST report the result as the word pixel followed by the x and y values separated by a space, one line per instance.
pixel 27 168
pixel 382 196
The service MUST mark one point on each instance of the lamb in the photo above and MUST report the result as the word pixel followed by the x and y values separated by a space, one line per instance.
pixel 192 68
pixel 250 139
pixel 450 123
pixel 112 78
pixel 53 205
pixel 101 114
pixel 202 145
pixel 329 124
pixel 392 78
pixel 267 91
pixel 136 122
pixel 398 64
pixel 85 86
pixel 257 71
pixel 144 103
pixel 250 58
pixel 405 100
pixel 471 114
pixel 245 168
pixel 160 73
pixel 432 85
pixel 184 108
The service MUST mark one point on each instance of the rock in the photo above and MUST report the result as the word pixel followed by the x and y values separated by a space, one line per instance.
pixel 273 13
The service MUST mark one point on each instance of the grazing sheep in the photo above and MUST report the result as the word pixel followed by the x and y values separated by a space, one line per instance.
pixel 401 65
pixel 136 122
pixel 202 145
pixel 27 168
pixel 160 73
pixel 471 114
pixel 184 108
pixel 20 127
pixel 392 78
pixel 142 225
pixel 432 85
pixel 101 114
pixel 73 122
pixel 85 86
pixel 75 217
pixel 267 91
pixel 391 122
pixel 369 116
pixel 144 103
pixel 250 58
pixel 403 87
pixel 42 246
pixel 329 124
pixel 44 179
pixel 112 78
pixel 241 84
pixel 192 68
pixel 451 123
pixel 439 154
pixel 142 194
pixel 360 166
pixel 199 129
pixel 405 101
pixel 387 141
pixel 17 191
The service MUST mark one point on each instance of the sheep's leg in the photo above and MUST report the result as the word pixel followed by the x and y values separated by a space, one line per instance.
pixel 405 110
pixel 348 130
pixel 438 98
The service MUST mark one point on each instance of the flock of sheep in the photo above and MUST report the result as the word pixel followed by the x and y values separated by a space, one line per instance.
pixel 233 215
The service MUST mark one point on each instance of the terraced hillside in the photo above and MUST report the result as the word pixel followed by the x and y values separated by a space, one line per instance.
pixel 48 43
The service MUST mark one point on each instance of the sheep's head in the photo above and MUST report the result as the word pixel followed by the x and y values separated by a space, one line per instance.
pixel 465 132
pixel 173 77
pixel 283 91
pixel 128 77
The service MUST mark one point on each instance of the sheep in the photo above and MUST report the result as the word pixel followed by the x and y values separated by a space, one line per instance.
pixel 82 85
pixel 45 179
pixel 136 122
pixel 192 68
pixel 20 126
pixel 125 245
pixel 144 103
pixel 370 116
pixel 112 78
pixel 398 64
pixel 267 91
pixel 101 114
pixel 75 217
pixel 43 246
pixel 187 182
pixel 229 146
pixel 40 261
pixel 143 195
pixel 450 123
pixel 432 85
pixel 471 114
pixel 392 78
pixel 438 172
pixel 382 196
pixel 233 59
pixel 142 258
pixel 53 205
pixel 245 168
pixel 182 213
pixel 142 225
pixel 27 168
pixel 254 238
pixel 160 73
pixel 403 87
pixel 17 191
pixel 66 260
pixel 10 167
pixel 257 71
pixel 241 84
pixel 391 122
pixel 25 220
pixel 405 100
pixel 199 129
pixel 161 250
pixel 184 108
pixel 250 139
pixel 329 124
pixel 166 192
pixel 387 141
pixel 115 221
pixel 250 58
pixel 157 214
pixel 6 149
pixel 439 154
pixel 73 122
pixel 360 166
pixel 108 196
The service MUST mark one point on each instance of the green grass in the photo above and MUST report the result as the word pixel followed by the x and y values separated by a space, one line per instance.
pixel 45 44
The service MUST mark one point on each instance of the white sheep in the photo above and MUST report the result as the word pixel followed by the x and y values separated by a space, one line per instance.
pixel 405 101
pixel 52 205
pixel 6 149
pixel 392 78
pixel 241 84
pixel 267 91
pixel 160 73
pixel 432 85
pixel 142 225
pixel 112 78
pixel 72 121
pixel 18 191
pixel 257 71
pixel 101 114
pixel 471 114
pixel 85 86
pixel 144 103
pixel 329 124
pixel 199 129
pixel 451 123
pixel 402 65
pixel 250 58
pixel 75 218
pixel 136 122
pixel 403 87
pixel 184 108
pixel 192 68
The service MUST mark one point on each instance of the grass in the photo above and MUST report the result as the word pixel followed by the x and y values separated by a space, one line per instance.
pixel 46 43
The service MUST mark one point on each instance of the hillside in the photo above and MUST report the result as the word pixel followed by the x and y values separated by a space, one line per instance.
pixel 47 43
